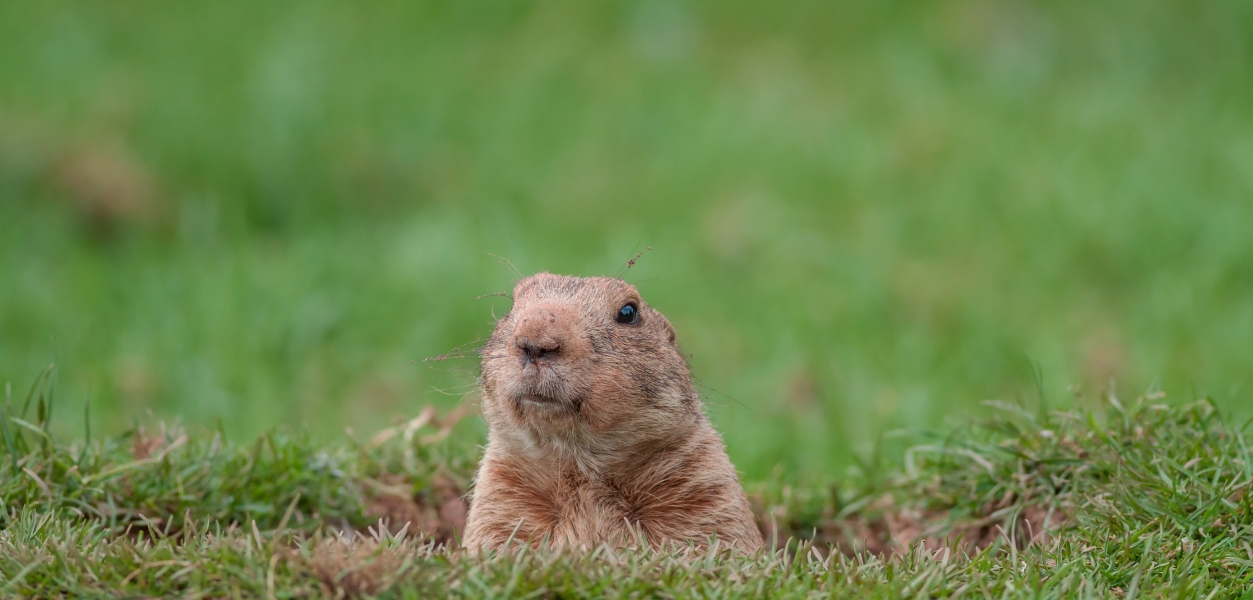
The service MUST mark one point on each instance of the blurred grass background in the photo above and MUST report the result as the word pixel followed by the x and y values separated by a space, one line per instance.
pixel 864 215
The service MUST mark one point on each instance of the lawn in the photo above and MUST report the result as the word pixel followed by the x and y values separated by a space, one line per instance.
pixel 1135 499
pixel 864 216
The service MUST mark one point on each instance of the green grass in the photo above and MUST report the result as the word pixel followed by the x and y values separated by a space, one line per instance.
pixel 864 215
pixel 1129 499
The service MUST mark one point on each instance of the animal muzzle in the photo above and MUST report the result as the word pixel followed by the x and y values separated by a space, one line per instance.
pixel 543 334
pixel 550 355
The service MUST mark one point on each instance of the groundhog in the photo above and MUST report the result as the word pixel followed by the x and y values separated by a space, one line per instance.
pixel 596 433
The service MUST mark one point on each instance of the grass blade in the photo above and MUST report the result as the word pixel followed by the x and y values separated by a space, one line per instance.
pixel 8 439
pixel 36 386
pixel 31 426
pixel 87 416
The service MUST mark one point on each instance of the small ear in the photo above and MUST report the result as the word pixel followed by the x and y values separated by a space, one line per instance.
pixel 670 333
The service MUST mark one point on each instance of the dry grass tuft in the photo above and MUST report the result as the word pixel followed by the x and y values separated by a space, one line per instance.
pixel 354 565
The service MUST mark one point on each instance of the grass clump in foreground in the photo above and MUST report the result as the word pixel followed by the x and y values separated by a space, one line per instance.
pixel 1134 500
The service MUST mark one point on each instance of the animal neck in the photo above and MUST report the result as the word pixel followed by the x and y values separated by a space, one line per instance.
pixel 595 455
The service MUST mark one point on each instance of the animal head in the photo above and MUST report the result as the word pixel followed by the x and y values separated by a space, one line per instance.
pixel 584 361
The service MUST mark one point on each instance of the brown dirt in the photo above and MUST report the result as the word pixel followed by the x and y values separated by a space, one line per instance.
pixel 348 567
pixel 439 509
pixel 885 529
pixel 438 512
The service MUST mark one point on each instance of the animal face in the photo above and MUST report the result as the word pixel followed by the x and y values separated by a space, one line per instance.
pixel 578 357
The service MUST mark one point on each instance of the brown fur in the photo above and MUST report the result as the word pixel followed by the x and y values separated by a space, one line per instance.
pixel 596 433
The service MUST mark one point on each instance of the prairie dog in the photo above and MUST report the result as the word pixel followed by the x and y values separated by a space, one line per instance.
pixel 595 431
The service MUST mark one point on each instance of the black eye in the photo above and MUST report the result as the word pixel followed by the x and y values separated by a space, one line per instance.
pixel 628 314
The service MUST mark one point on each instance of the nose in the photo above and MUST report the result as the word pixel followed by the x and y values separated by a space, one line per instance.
pixel 541 333
pixel 537 350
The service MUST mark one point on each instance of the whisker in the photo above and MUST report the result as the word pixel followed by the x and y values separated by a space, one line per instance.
pixel 515 269
pixel 727 396
pixel 454 391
